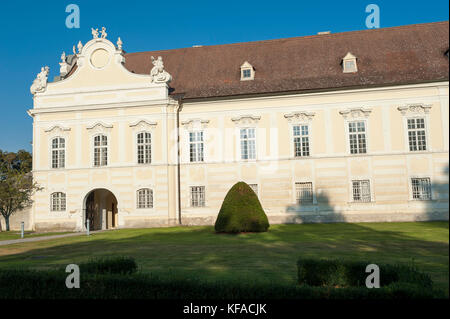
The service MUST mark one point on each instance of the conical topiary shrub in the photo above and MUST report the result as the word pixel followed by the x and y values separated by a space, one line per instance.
pixel 241 211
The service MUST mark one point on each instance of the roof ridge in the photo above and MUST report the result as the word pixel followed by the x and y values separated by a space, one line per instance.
pixel 416 25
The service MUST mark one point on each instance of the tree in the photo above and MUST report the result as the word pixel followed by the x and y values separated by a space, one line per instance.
pixel 241 211
pixel 16 183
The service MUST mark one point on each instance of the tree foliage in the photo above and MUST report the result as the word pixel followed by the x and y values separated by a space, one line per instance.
pixel 241 211
pixel 16 183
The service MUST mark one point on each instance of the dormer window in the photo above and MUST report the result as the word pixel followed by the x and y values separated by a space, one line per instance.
pixel 349 63
pixel 247 72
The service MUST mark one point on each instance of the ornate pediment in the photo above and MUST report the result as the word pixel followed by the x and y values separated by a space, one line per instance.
pixel 57 128
pixel 99 127
pixel 195 124
pixel 246 119
pixel 143 125
pixel 299 116
pixel 414 109
pixel 358 112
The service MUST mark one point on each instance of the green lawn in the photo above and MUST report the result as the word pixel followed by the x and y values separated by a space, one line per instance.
pixel 10 235
pixel 199 252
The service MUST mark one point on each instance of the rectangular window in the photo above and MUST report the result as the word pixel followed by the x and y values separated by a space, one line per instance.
pixel 144 148
pixel 357 136
pixel 197 196
pixel 248 143
pixel 361 191
pixel 416 134
pixel 100 150
pixel 421 188
pixel 247 73
pixel 301 140
pixel 196 146
pixel 304 193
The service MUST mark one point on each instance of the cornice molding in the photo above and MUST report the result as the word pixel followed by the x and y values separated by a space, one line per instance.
pixel 418 108
pixel 357 112
pixel 299 116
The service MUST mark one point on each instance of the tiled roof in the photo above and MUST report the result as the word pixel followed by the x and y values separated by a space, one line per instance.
pixel 388 56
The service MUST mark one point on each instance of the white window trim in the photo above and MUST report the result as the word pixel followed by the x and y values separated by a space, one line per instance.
pixel 51 201
pixel 135 144
pixel 50 143
pixel 257 185
pixel 108 149
pixel 427 131
pixel 247 66
pixel 349 58
pixel 238 144
pixel 347 137
pixel 189 145
pixel 350 189
pixel 144 209
pixel 410 191
pixel 292 145
pixel 189 196
pixel 294 191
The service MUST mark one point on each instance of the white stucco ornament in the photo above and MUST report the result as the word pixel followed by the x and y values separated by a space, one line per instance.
pixel 40 83
pixel 158 74
pixel 119 44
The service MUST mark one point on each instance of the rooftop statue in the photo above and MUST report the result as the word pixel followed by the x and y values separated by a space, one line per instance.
pixel 158 74
pixel 103 32
pixel 40 83
pixel 94 33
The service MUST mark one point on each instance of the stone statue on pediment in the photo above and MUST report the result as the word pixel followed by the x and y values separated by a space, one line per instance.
pixel 40 83
pixel 158 74
pixel 103 32
pixel 94 33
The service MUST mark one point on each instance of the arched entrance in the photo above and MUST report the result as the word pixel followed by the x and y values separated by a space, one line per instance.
pixel 100 207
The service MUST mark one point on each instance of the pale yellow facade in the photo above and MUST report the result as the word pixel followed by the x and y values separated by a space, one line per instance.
pixel 102 98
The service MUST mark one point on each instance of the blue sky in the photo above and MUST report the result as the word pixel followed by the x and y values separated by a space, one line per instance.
pixel 34 34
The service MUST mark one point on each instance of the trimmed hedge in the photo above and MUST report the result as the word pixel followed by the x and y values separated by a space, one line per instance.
pixel 110 265
pixel 241 211
pixel 25 284
pixel 338 273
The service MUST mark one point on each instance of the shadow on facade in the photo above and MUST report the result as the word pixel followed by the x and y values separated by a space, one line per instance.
pixel 438 206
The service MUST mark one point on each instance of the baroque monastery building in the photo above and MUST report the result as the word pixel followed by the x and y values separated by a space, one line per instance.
pixel 332 127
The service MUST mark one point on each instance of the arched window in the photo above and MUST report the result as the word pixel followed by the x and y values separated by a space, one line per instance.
pixel 145 198
pixel 100 150
pixel 58 152
pixel 144 148
pixel 58 202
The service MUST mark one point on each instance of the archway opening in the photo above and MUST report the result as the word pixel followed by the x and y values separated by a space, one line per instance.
pixel 100 209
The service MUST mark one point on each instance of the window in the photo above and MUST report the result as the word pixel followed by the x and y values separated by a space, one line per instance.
pixel 248 143
pixel 144 148
pixel 58 152
pixel 301 140
pixel 357 135
pixel 349 63
pixel 361 191
pixel 58 202
pixel 421 188
pixel 304 193
pixel 197 196
pixel 145 198
pixel 416 134
pixel 247 72
pixel 196 146
pixel 254 187
pixel 100 150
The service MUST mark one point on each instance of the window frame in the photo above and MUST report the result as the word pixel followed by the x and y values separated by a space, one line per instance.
pixel 361 201
pixel 59 149
pixel 411 192
pixel 137 144
pixel 366 131
pixel 313 193
pixel 293 148
pixel 94 148
pixel 60 203
pixel 427 140
pixel 239 145
pixel 202 142
pixel 191 187
pixel 150 201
